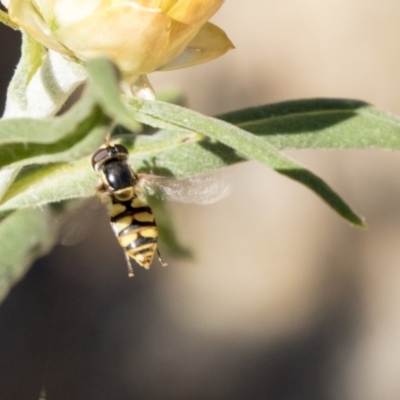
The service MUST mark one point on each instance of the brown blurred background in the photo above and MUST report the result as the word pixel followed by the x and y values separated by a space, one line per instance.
pixel 284 300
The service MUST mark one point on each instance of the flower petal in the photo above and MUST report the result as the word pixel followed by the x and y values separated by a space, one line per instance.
pixel 211 42
pixel 194 12
pixel 139 36
pixel 45 8
pixel 133 38
pixel 67 12
pixel 25 15
pixel 163 5
pixel 188 17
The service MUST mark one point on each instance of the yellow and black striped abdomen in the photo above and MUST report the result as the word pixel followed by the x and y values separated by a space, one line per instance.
pixel 131 217
pixel 134 225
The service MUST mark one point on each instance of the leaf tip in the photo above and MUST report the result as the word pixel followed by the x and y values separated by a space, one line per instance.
pixel 359 222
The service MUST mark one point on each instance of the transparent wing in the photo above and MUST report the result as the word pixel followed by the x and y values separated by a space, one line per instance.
pixel 201 189
pixel 76 222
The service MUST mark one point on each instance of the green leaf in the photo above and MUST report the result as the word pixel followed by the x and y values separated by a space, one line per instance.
pixel 7 177
pixel 42 82
pixel 32 54
pixel 196 144
pixel 50 183
pixel 50 130
pixel 24 236
pixel 169 153
pixel 320 124
pixel 66 138
pixel 249 146
pixel 187 144
pixel 25 142
pixel 103 77
pixel 171 95
pixel 166 229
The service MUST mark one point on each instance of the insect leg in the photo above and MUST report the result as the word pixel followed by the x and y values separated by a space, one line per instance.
pixel 129 265
pixel 162 262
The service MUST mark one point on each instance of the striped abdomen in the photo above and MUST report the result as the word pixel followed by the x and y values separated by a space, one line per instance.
pixel 134 225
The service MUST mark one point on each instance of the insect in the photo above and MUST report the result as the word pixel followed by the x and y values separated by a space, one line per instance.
pixel 131 217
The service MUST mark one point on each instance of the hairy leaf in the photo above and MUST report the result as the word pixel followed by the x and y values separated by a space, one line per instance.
pixel 247 145
pixel 24 236
pixel 196 144
pixel 105 87
pixel 76 138
pixel 251 147
pixel 320 124
pixel 42 82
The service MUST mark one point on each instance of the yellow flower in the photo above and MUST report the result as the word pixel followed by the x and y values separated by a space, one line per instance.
pixel 139 36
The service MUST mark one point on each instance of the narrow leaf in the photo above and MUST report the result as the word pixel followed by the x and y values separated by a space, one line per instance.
pixel 166 229
pixel 320 124
pixel 167 153
pixel 24 236
pixel 28 130
pixel 88 135
pixel 50 183
pixel 7 177
pixel 248 145
pixel 42 82
pixel 65 138
pixel 32 54
pixel 196 144
pixel 105 86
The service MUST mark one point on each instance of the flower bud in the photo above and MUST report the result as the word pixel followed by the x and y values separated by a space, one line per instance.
pixel 139 36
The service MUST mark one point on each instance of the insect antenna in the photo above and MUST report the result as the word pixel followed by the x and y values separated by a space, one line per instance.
pixel 107 140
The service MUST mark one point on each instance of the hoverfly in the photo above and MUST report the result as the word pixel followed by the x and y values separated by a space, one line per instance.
pixel 131 217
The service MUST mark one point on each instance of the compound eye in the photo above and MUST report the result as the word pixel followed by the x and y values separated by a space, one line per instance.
pixel 121 149
pixel 100 155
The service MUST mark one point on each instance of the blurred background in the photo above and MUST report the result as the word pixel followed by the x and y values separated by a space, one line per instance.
pixel 283 300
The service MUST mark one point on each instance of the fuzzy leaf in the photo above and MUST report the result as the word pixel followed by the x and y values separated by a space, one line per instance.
pixel 320 124
pixel 24 236
pixel 56 182
pixel 7 177
pixel 251 147
pixel 247 145
pixel 166 229
pixel 284 118
pixel 50 183
pixel 66 138
pixel 103 77
pixel 42 82
pixel 28 130
pixel 198 144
